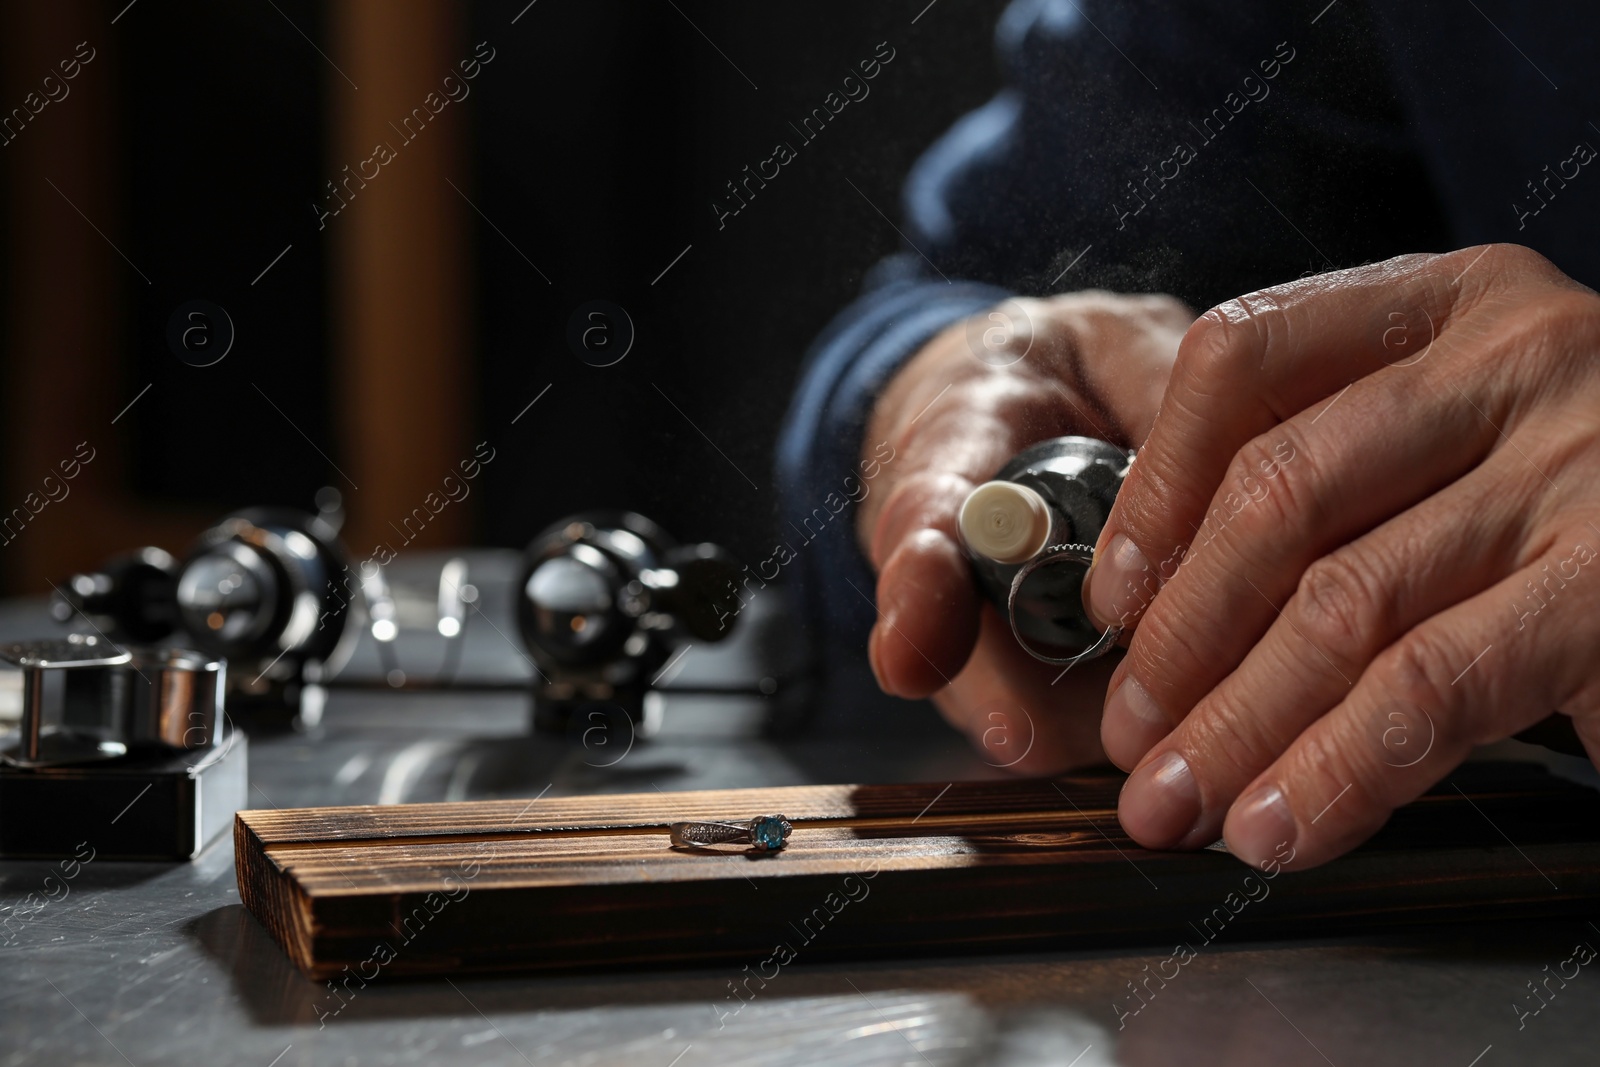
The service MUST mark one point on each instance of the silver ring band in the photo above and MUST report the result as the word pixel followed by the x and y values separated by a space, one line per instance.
pixel 767 833
pixel 1059 553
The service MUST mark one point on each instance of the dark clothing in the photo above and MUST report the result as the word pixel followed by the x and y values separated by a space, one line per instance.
pixel 1204 149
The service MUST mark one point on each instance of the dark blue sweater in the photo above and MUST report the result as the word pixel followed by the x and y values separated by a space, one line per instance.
pixel 1204 149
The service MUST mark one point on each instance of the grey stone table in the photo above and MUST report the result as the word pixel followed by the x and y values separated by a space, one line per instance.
pixel 158 963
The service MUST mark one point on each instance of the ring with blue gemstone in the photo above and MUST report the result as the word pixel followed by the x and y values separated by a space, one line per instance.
pixel 765 833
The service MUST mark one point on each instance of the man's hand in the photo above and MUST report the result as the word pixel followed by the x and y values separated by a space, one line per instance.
pixel 1361 538
pixel 1085 363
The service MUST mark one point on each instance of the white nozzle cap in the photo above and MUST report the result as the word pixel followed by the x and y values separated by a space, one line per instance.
pixel 1006 522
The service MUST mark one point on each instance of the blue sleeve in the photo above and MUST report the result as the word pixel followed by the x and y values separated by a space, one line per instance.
pixel 1134 147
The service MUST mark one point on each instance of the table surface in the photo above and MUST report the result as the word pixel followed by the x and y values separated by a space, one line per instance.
pixel 146 963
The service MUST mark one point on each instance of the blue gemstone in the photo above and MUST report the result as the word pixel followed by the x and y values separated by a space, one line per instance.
pixel 769 832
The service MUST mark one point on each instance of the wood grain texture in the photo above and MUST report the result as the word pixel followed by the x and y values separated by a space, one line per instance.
pixel 588 882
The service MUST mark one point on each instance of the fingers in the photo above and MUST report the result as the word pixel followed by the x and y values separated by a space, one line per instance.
pixel 1288 498
pixel 1275 737
pixel 928 616
pixel 925 594
pixel 922 500
pixel 1244 367
pixel 1476 673
pixel 955 419
pixel 1084 363
pixel 966 432
pixel 1349 607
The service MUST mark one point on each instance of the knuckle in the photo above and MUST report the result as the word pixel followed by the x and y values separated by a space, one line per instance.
pixel 1265 490
pixel 1573 315
pixel 1337 605
pixel 1537 347
pixel 1158 487
pixel 1419 669
pixel 1487 272
pixel 1220 344
pixel 1549 321
pixel 1058 350
pixel 1513 259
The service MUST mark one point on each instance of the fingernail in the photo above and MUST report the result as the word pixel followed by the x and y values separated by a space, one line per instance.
pixel 1132 723
pixel 888 625
pixel 1160 803
pixel 1260 826
pixel 1120 584
pixel 874 645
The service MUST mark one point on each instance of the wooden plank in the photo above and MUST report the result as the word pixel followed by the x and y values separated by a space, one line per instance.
pixel 585 882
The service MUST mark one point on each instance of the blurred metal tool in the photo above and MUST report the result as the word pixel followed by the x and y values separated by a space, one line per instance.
pixel 84 700
pixel 269 589
pixel 455 593
pixel 604 599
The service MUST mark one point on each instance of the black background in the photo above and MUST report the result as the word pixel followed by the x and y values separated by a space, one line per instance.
pixel 599 137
